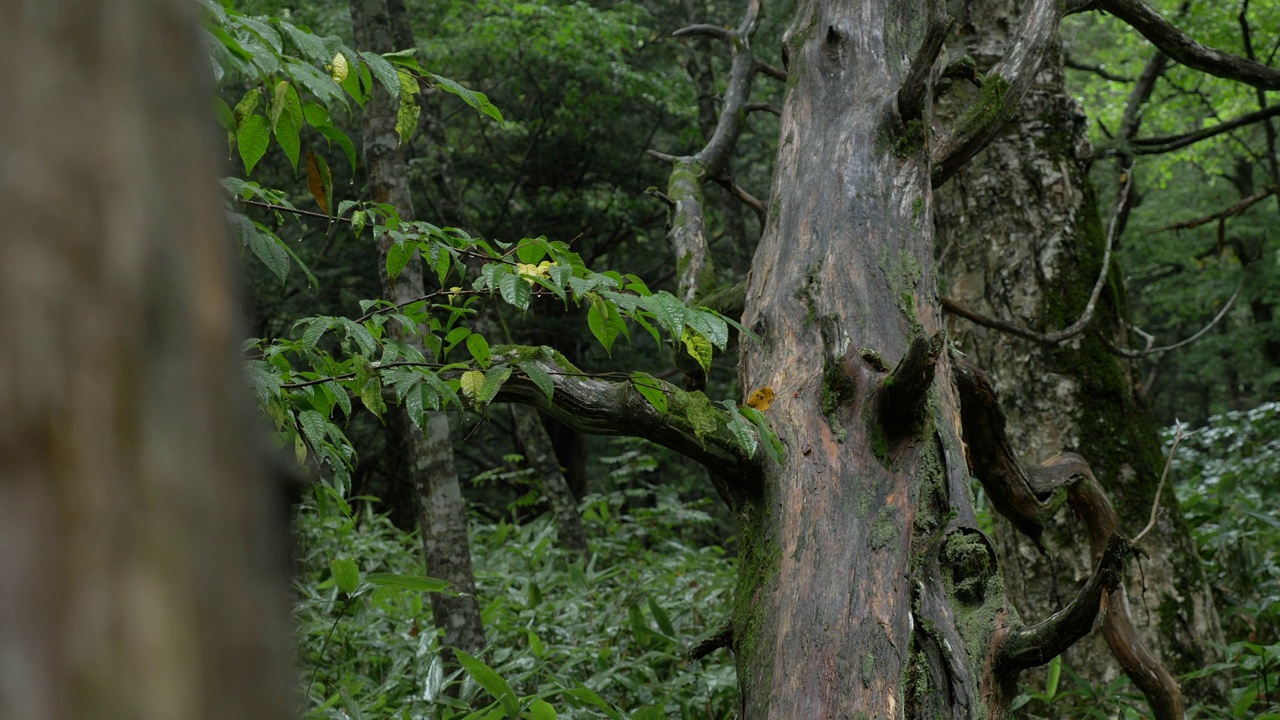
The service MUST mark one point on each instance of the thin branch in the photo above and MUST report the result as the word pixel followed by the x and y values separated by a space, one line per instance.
pixel 746 198
pixel 772 71
pixel 763 107
pixel 1232 211
pixel 1096 70
pixel 1168 463
pixel 1002 91
pixel 1183 49
pixel 706 30
pixel 721 638
pixel 294 210
pixel 1129 353
pixel 1086 316
pixel 1169 143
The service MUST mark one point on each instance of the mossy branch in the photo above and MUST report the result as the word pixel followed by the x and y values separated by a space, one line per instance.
pixel 905 392
pixel 691 424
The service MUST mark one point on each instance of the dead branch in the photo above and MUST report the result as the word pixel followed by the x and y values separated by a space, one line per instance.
pixel 904 393
pixel 1169 143
pixel 1232 211
pixel 721 638
pixel 1128 353
pixel 1155 505
pixel 746 198
pixel 915 88
pixel 1096 70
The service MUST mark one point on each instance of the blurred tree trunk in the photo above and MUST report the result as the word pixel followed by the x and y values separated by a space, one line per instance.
pixel 1020 238
pixel 142 572
pixel 427 452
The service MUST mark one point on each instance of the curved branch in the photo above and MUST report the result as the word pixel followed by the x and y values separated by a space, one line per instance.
pixel 1033 495
pixel 705 29
pixel 912 94
pixel 1002 91
pixel 1128 353
pixel 691 426
pixel 1169 143
pixel 1183 49
pixel 1037 644
pixel 1086 316
pixel 745 198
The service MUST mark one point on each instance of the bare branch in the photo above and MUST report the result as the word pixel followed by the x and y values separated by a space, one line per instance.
pixel 1232 211
pixel 715 31
pixel 905 391
pixel 1128 353
pixel 1169 143
pixel 746 198
pixel 1086 316
pixel 1183 49
pixel 763 107
pixel 1002 91
pixel 772 71
pixel 721 638
pixel 1155 505
pixel 1096 70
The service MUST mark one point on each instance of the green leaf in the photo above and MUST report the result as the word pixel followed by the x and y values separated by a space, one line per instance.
pixel 493 382
pixel 536 646
pixel 604 321
pixel 1055 673
pixel 471 383
pixel 315 330
pixel 361 335
pixel 515 290
pixel 698 346
pixel 531 251
pixel 649 712
pixel 413 406
pixel 589 696
pixel 542 710
pixel 253 138
pixel 371 396
pixel 286 120
pixel 384 71
pixel 477 100
pixel 346 574
pixel 335 135
pixel 491 682
pixel 313 426
pixel 772 445
pixel 539 377
pixel 651 389
pixel 398 256
pixel 407 115
pixel 311 46
pixel 245 107
pixel 321 85
pixel 660 615
pixel 270 251
pixel 741 429
pixel 417 583
pixel 479 348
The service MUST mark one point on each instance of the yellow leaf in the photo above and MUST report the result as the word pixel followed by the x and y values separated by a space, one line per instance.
pixel 761 399
pixel 316 180
pixel 529 270
pixel 472 381
pixel 339 68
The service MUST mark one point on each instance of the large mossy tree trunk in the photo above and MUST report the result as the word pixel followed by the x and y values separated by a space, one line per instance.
pixel 1021 239
pixel 426 453
pixel 142 564
pixel 866 588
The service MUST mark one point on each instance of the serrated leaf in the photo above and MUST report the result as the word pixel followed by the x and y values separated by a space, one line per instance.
pixel 413 406
pixel 741 430
pixel 479 348
pixel 384 71
pixel 252 139
pixel 245 107
pixel 515 290
pixel 270 251
pixel 477 100
pixel 361 335
pixel 539 377
pixel 313 426
pixel 471 383
pixel 408 113
pixel 346 574
pixel 315 330
pixel 371 396
pixel 698 346
pixel 340 397
pixel 320 84
pixel 491 682
pixel 493 382
pixel 312 47
pixel 651 390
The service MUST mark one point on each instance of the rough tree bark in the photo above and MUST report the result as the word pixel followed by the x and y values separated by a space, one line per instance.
pixel 141 546
pixel 1020 238
pixel 428 454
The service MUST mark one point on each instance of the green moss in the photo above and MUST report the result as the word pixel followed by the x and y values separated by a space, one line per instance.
pixel 868 668
pixel 917 207
pixel 988 107
pixel 694 411
pixel 837 389
pixel 908 140
pixel 885 530
pixel 759 561
pixel 526 353
pixel 968 561
pixel 806 292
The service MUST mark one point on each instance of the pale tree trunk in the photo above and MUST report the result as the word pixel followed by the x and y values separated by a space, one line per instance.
pixel 142 569
pixel 1021 239
pixel 428 453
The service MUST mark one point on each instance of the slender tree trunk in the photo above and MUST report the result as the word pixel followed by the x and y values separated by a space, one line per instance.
pixel 142 572
pixel 428 452
pixel 541 455
pixel 1021 239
